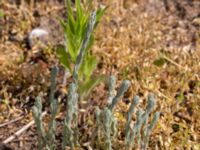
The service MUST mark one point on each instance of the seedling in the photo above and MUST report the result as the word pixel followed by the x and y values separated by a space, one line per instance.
pixel 74 31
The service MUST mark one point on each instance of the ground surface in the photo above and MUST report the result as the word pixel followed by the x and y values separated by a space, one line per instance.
pixel 153 43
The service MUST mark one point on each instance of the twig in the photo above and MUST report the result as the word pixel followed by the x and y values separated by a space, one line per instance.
pixel 10 122
pixel 163 95
pixel 173 62
pixel 24 128
pixel 159 92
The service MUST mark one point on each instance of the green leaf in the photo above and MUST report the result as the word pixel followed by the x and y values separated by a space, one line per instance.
pixel 86 87
pixel 99 14
pixel 81 27
pixel 1 13
pixel 70 17
pixel 68 34
pixel 180 97
pixel 89 66
pixel 159 62
pixel 79 17
pixel 71 44
pixel 84 24
pixel 90 43
pixel 63 24
pixel 71 23
pixel 63 56
pixel 79 9
pixel 69 8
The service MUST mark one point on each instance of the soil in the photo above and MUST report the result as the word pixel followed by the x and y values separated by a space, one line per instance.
pixel 132 34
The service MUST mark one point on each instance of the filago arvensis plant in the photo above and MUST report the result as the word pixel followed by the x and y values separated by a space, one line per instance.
pixel 106 122
pixel 46 139
pixel 106 127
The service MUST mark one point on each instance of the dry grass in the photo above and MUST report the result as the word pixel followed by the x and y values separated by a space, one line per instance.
pixel 131 38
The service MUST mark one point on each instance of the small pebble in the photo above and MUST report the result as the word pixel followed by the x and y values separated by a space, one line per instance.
pixel 36 35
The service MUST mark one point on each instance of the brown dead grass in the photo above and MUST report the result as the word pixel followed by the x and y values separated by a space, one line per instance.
pixel 130 38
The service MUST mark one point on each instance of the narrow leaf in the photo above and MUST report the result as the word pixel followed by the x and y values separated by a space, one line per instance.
pixel 63 57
